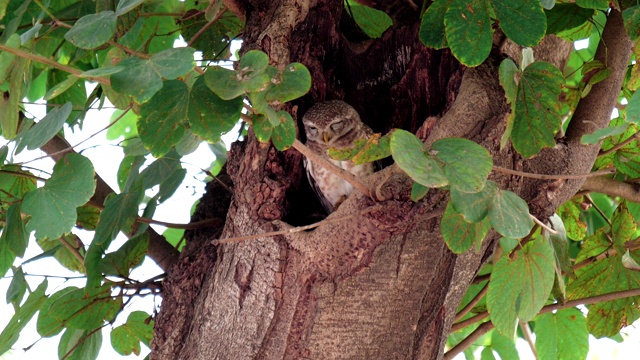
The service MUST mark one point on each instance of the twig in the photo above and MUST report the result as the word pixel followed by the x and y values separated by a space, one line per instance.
pixel 345 175
pixel 553 177
pixel 472 303
pixel 296 229
pixel 617 147
pixel 53 64
pixel 73 250
pixel 543 225
pixel 475 335
pixel 595 206
pixel 526 330
pixel 470 321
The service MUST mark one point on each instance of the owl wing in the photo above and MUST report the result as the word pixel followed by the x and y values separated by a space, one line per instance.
pixel 328 206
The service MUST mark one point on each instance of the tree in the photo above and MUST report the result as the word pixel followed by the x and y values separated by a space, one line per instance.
pixel 484 218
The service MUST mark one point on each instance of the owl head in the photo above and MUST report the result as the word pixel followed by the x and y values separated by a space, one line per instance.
pixel 332 124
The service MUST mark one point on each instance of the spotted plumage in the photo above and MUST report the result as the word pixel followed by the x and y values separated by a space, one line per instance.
pixel 333 124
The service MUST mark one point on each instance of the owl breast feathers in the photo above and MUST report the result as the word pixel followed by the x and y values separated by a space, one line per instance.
pixel 333 124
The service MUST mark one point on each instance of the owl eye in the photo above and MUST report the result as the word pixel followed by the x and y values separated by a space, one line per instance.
pixel 337 126
pixel 312 130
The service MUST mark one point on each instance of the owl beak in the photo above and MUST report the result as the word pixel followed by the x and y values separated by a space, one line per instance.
pixel 326 137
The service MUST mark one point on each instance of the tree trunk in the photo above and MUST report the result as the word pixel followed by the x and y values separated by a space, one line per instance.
pixel 378 282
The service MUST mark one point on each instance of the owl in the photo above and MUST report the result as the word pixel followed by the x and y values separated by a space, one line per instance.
pixel 333 124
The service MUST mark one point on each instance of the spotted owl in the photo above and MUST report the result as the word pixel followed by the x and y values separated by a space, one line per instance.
pixel 333 124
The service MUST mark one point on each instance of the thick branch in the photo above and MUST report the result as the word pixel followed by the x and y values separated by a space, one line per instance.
pixel 601 184
pixel 160 250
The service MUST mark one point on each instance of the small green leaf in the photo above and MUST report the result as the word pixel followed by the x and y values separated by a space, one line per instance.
pixel 593 4
pixel 209 115
pixel 161 122
pixel 565 335
pixel 22 316
pixel 224 82
pixel 633 108
pixel 537 118
pixel 124 6
pixel 9 101
pixel 15 233
pixel 376 147
pixel 171 63
pixel 126 338
pixel 474 207
pixel 294 82
pixel 623 227
pixel 130 255
pixel 468 30
pixel 418 191
pixel 60 87
pixel 262 128
pixel 53 207
pixel 409 153
pixel 509 215
pixel 603 133
pixel 565 16
pixel 520 285
pixel 432 25
pixel 254 61
pixel 459 234
pixel 80 344
pixel 17 287
pixel 93 30
pixel 509 78
pixel 285 133
pixel 63 254
pixel 466 164
pixel 373 22
pixel 45 129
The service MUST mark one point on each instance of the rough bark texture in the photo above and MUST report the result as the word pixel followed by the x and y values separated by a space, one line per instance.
pixel 381 284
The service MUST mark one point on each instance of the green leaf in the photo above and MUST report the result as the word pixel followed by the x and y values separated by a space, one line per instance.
pixel 593 4
pixel 409 153
pixel 432 33
pixel 74 308
pixel 224 82
pixel 88 217
pixel 124 6
pixel 61 87
pixel 520 286
pixel 188 144
pixel 126 338
pixel 93 30
pixel 161 122
pixel 262 128
pixel 466 164
pixel 171 63
pixel 537 118
pixel 373 22
pixel 53 207
pixel 509 78
pixel 45 129
pixel 563 17
pixel 209 115
pixel 564 335
pixel 15 233
pixel 22 316
pixel 418 191
pixel 509 215
pixel 376 147
pixel 63 254
pixel 631 18
pixel 459 234
pixel 80 344
pixel 603 133
pixel 17 287
pixel 623 227
pixel 137 79
pixel 570 214
pixel 523 21
pixel 9 101
pixel 130 255
pixel 285 133
pixel 468 30
pixel 633 108
pixel 474 207
pixel 7 257
pixel 294 82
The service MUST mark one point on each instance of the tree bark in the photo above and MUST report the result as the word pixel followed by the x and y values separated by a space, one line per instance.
pixel 381 283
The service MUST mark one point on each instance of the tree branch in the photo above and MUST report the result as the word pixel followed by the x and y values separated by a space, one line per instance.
pixel 601 184
pixel 469 340
pixel 553 177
